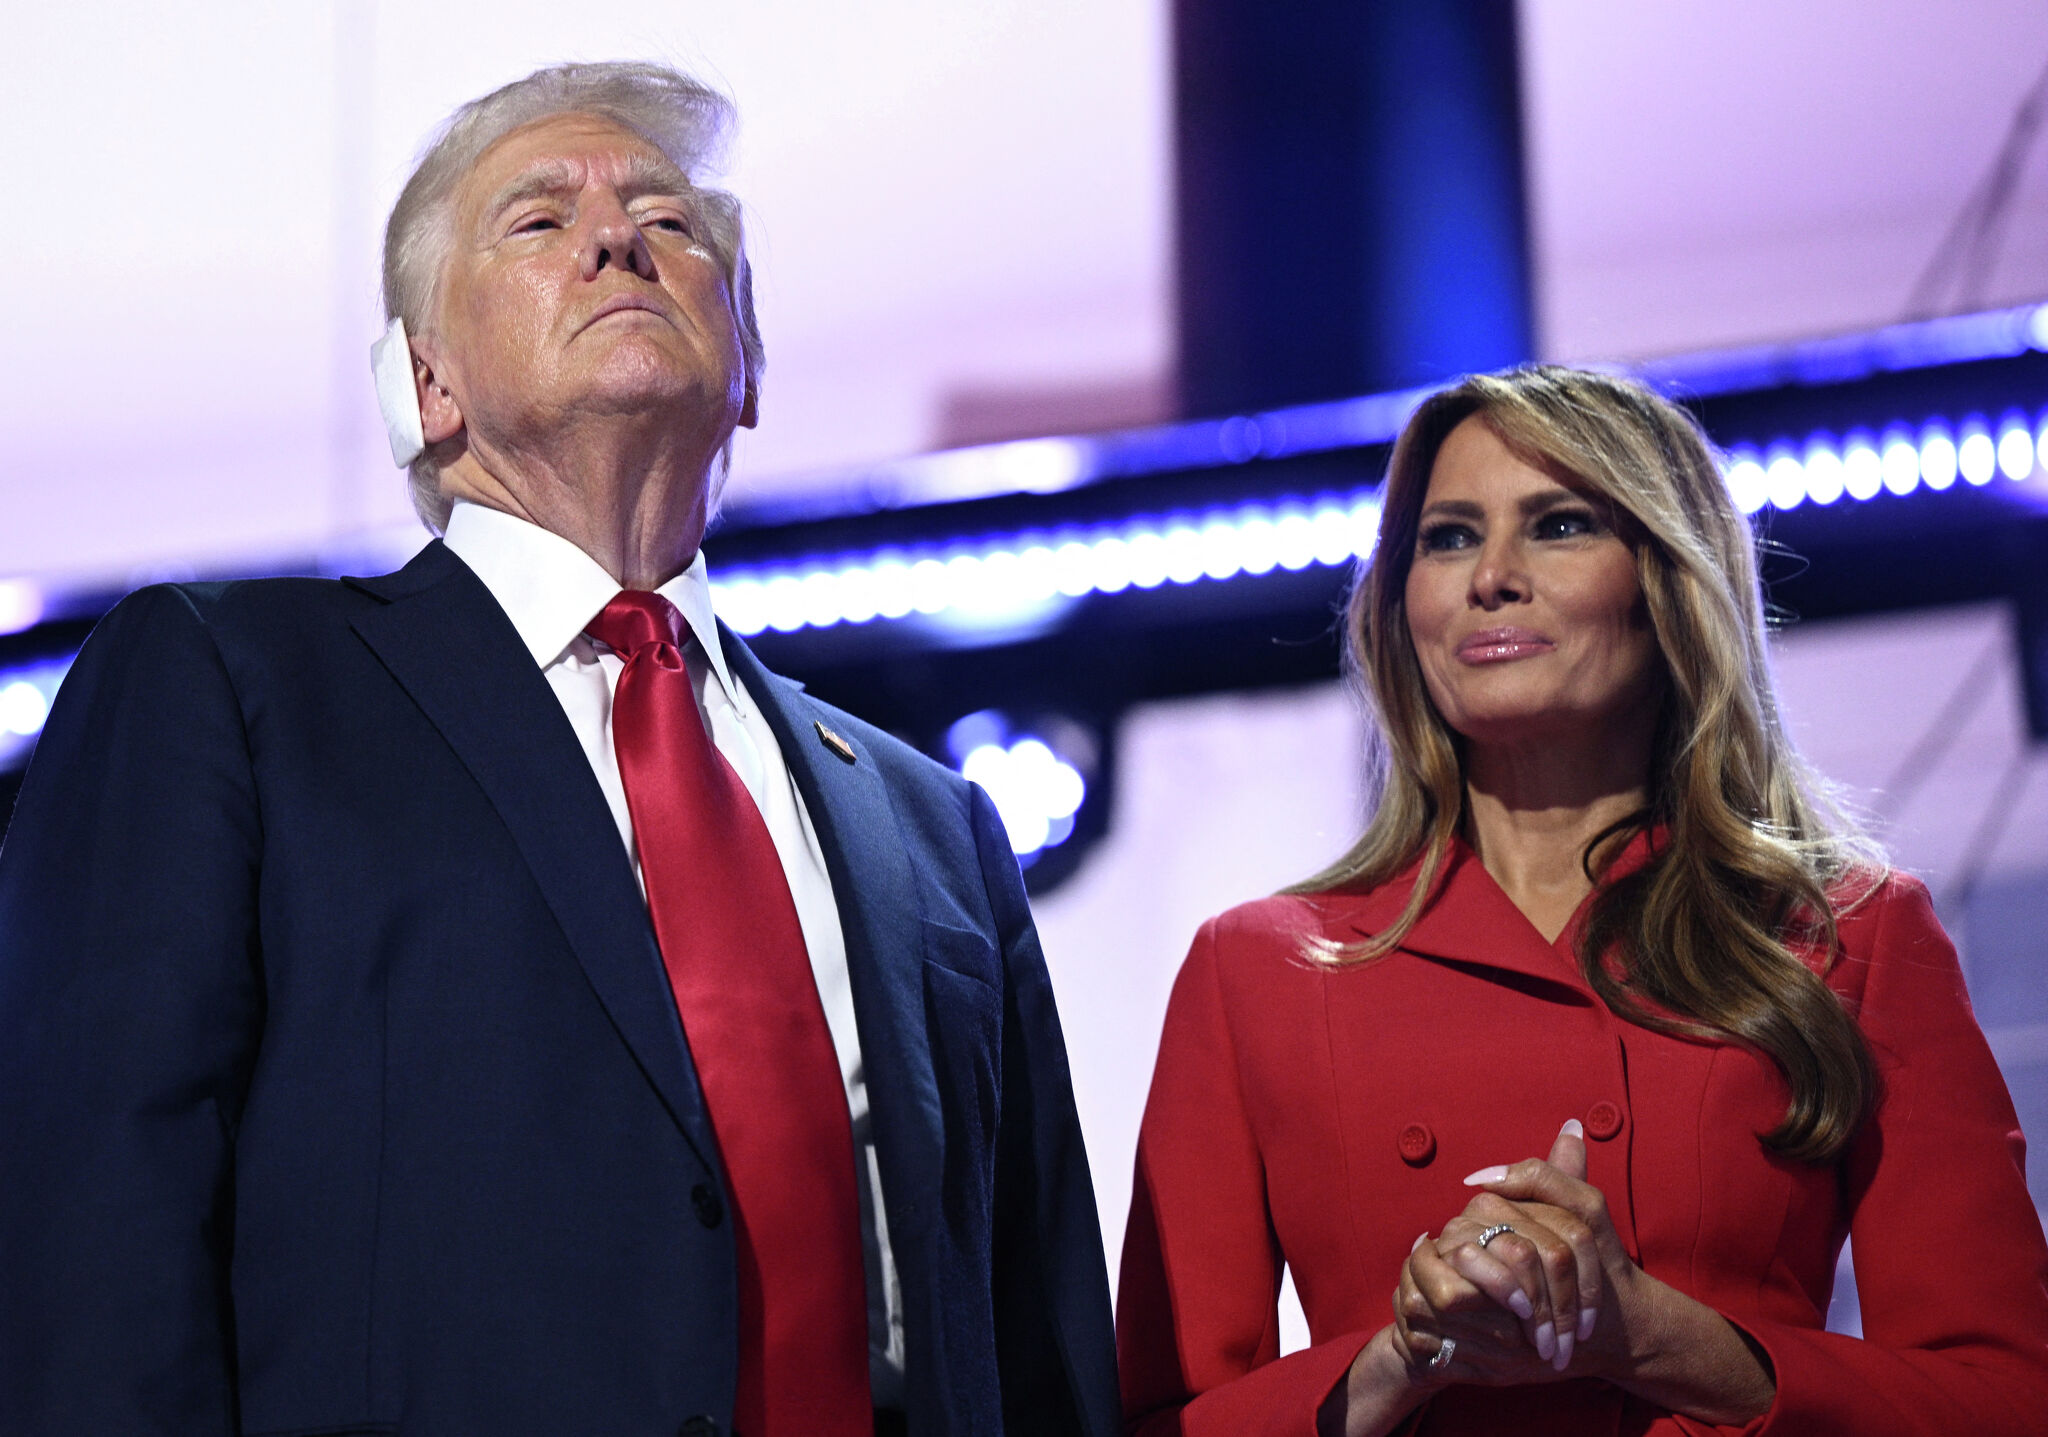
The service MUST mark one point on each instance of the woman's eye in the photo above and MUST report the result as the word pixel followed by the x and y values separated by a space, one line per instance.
pixel 1567 524
pixel 535 224
pixel 673 224
pixel 1437 538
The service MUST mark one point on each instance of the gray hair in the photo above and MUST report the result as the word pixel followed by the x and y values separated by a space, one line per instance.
pixel 684 119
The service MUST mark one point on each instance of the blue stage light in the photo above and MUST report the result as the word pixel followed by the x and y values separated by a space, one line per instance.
pixel 994 581
pixel 26 693
pixel 1937 457
pixel 1825 472
pixel 1976 455
pixel 2015 448
pixel 1037 792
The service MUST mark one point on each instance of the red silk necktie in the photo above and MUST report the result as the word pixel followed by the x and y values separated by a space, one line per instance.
pixel 742 979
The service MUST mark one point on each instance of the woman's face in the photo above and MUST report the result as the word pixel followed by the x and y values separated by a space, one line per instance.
pixel 1523 604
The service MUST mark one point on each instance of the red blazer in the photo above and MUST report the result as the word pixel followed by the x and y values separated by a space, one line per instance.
pixel 1323 1118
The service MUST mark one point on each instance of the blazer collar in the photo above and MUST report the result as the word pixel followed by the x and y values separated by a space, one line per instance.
pixel 451 647
pixel 1469 919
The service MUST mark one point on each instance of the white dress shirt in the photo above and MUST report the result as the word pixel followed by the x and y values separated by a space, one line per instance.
pixel 550 589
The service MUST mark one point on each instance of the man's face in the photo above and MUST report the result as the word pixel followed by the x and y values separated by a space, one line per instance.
pixel 578 290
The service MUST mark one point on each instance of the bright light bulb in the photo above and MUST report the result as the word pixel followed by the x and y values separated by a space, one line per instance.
pixel 1901 465
pixel 1072 566
pixel 859 599
pixel 1148 560
pixel 1823 472
pixel 782 599
pixel 1747 485
pixel 1937 458
pixel 1976 456
pixel 23 708
pixel 1183 554
pixel 895 594
pixel 1785 482
pixel 1257 544
pixel 1111 565
pixel 1332 528
pixel 1219 549
pixel 740 604
pixel 1862 469
pixel 821 599
pixel 929 590
pixel 2015 452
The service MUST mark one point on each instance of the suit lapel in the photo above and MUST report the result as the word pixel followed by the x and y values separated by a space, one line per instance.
pixel 449 645
pixel 876 891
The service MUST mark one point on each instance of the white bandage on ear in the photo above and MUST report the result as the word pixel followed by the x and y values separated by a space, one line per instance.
pixel 391 364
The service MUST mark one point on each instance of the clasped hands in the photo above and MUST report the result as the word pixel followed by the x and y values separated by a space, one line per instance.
pixel 1537 1300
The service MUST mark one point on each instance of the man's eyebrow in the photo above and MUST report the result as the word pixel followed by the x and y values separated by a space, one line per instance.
pixel 550 177
pixel 644 175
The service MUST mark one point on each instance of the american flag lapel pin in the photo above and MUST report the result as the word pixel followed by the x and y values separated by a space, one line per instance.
pixel 834 742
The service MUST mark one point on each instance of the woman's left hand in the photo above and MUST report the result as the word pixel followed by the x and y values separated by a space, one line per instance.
pixel 1641 1334
pixel 1569 1249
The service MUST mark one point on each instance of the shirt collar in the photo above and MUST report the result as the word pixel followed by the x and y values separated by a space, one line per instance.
pixel 550 589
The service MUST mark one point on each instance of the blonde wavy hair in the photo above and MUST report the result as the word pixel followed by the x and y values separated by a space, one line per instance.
pixel 1760 857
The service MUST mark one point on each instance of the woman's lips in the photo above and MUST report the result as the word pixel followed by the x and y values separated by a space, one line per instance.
pixel 1497 646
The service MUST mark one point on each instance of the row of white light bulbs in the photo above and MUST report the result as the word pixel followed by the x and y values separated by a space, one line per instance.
pixel 1861 465
pixel 1006 577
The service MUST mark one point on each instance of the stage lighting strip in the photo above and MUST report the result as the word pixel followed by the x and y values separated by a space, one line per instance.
pixel 1000 578
pixel 1864 465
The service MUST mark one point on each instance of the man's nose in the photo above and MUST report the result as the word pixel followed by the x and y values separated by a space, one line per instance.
pixel 614 240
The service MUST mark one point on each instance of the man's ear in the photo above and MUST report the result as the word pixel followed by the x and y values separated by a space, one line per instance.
pixel 440 415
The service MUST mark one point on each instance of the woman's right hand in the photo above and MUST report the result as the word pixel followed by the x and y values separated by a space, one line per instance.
pixel 1515 1307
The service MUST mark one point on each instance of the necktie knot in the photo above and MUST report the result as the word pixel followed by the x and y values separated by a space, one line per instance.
pixel 636 618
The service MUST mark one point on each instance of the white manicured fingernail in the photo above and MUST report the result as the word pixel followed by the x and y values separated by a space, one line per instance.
pixel 1518 1303
pixel 1573 1127
pixel 1498 1173
pixel 1564 1352
pixel 1587 1317
pixel 1418 1242
pixel 1546 1341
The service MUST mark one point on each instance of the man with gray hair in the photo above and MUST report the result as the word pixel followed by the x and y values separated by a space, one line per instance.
pixel 482 999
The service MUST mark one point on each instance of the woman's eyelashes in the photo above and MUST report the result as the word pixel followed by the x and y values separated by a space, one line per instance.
pixel 1446 534
pixel 1567 521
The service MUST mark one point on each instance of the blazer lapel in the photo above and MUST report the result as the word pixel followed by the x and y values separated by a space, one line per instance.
pixel 875 888
pixel 1469 920
pixel 449 645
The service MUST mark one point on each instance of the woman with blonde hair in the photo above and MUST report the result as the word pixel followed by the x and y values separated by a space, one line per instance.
pixel 1603 913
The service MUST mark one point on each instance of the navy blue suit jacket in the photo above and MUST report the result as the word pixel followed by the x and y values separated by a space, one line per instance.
pixel 341 1089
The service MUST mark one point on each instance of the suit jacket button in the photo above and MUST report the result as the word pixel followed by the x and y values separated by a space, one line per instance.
pixel 1603 1120
pixel 710 1212
pixel 1417 1144
pixel 701 1427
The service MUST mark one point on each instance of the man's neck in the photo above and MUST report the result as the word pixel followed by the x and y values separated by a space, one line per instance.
pixel 640 516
